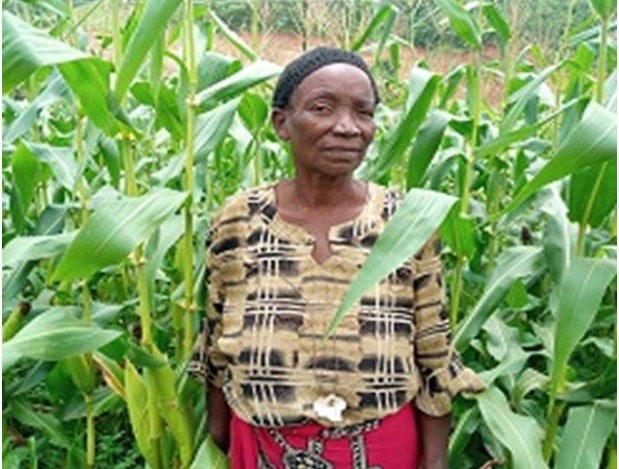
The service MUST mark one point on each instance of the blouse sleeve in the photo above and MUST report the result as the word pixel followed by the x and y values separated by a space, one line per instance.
pixel 208 363
pixel 443 374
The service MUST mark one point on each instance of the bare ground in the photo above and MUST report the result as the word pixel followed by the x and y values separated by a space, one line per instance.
pixel 282 48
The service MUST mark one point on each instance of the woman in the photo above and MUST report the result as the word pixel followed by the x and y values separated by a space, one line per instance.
pixel 377 393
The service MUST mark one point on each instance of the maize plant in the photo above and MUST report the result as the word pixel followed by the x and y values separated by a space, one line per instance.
pixel 114 161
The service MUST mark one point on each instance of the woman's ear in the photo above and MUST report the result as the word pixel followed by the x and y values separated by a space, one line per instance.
pixel 279 120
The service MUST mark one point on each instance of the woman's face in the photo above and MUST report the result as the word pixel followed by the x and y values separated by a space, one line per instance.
pixel 329 121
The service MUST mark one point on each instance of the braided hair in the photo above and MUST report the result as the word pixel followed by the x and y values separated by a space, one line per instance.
pixel 297 70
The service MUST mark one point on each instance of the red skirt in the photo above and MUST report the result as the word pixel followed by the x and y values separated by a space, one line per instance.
pixel 389 443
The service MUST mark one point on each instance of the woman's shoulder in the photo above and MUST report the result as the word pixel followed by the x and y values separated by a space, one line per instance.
pixel 243 204
pixel 388 200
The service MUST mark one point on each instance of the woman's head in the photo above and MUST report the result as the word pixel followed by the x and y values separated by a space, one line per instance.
pixel 324 106
pixel 297 70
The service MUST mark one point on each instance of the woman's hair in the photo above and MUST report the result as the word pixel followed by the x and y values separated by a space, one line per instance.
pixel 296 71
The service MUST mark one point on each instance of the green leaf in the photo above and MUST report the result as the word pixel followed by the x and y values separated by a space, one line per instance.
pixel 33 377
pixel 450 84
pixel 422 86
pixel 27 248
pixel 381 16
pixel 232 37
pixel 460 232
pixel 54 336
pixel 517 296
pixel 425 146
pixel 522 96
pixel 593 194
pixel 165 103
pixel 142 357
pixel 209 455
pixel 104 402
pixel 610 92
pixel 604 8
pixel 585 435
pixel 386 35
pixel 509 366
pixel 152 23
pixel 247 77
pixel 418 217
pixel 498 144
pixel 559 234
pixel 212 127
pixel 459 439
pixel 26 176
pixel 586 33
pixel 156 72
pixel 593 141
pixel 519 434
pixel 136 397
pixel 49 425
pixel 214 67
pixel 114 230
pixel 174 167
pixel 58 7
pixel 578 68
pixel 160 242
pixel 54 90
pixel 51 221
pixel 111 158
pixel 254 111
pixel 61 161
pixel 514 263
pixel 501 338
pixel 172 409
pixel 504 346
pixel 580 293
pixel 498 21
pixel 529 380
pixel 461 21
pixel 112 373
pixel 90 81
pixel 26 49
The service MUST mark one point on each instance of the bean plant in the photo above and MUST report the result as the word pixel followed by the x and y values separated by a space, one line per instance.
pixel 113 164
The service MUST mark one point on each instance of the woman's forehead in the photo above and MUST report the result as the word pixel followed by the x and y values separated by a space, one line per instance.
pixel 336 78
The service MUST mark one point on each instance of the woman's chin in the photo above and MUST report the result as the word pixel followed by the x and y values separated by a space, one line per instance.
pixel 341 166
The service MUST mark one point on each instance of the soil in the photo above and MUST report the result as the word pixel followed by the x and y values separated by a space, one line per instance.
pixel 281 48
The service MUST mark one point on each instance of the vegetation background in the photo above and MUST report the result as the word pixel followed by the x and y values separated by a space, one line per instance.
pixel 126 124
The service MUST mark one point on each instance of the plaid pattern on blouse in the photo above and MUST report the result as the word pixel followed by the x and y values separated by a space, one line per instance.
pixel 270 303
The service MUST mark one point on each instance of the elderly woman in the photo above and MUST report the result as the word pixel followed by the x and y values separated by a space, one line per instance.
pixel 377 393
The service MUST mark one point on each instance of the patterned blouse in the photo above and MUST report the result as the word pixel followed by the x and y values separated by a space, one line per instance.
pixel 270 303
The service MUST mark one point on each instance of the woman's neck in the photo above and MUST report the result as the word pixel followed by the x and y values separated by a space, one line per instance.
pixel 316 191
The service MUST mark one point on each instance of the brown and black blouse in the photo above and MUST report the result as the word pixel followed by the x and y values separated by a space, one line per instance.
pixel 270 302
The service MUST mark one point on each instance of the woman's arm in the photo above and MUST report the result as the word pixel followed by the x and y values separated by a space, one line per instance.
pixel 218 417
pixel 434 439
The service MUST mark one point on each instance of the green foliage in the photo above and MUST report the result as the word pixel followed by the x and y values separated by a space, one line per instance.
pixel 586 432
pixel 114 230
pixel 54 336
pixel 420 216
pixel 209 455
pixel 109 182
pixel 521 435
pixel 417 21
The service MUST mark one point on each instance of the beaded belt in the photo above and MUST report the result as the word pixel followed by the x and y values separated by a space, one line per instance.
pixel 311 458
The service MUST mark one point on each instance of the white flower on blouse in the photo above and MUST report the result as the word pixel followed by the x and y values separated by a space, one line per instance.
pixel 330 407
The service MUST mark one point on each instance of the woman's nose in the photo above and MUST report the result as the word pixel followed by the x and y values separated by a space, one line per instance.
pixel 346 124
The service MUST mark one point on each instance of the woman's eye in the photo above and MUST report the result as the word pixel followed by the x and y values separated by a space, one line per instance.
pixel 320 107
